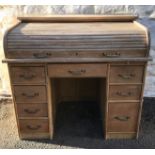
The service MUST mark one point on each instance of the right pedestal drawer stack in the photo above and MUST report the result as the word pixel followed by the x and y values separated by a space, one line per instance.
pixel 124 99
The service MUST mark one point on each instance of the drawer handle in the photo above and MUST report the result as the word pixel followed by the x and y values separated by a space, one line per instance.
pixel 33 128
pixel 124 94
pixel 77 72
pixel 108 54
pixel 122 118
pixel 41 55
pixel 30 95
pixel 31 111
pixel 27 76
pixel 130 76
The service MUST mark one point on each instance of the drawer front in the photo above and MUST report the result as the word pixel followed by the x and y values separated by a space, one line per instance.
pixel 30 94
pixel 125 92
pixel 27 75
pixel 32 110
pixel 76 54
pixel 33 125
pixel 126 74
pixel 123 117
pixel 77 70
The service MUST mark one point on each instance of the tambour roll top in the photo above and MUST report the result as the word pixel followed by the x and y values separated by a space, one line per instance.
pixel 100 37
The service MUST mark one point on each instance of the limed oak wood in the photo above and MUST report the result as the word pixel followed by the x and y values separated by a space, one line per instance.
pixel 77 70
pixel 128 135
pixel 126 74
pixel 46 40
pixel 73 58
pixel 32 110
pixel 30 94
pixel 122 117
pixel 33 126
pixel 34 136
pixel 92 53
pixel 28 75
pixel 78 18
pixel 125 92
pixel 78 60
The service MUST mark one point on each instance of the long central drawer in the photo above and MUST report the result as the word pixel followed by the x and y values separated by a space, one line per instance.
pixel 77 70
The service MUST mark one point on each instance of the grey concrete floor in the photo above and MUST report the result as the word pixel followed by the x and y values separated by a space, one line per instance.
pixel 78 126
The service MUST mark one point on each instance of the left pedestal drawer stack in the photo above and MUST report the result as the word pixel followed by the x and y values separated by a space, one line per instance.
pixel 30 100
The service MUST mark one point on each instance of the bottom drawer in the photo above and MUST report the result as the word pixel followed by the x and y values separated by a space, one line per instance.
pixel 33 135
pixel 33 125
pixel 123 117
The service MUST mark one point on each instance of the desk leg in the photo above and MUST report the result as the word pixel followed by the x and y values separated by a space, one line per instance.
pixel 50 108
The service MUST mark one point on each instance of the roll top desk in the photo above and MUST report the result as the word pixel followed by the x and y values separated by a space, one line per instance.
pixel 45 52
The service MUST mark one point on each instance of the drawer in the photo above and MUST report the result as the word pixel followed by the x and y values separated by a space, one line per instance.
pixel 32 110
pixel 124 92
pixel 30 94
pixel 27 75
pixel 33 125
pixel 123 117
pixel 126 74
pixel 77 70
pixel 94 53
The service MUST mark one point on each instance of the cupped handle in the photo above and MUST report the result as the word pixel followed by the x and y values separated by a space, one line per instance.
pixel 127 77
pixel 30 95
pixel 33 127
pixel 42 55
pixel 122 118
pixel 77 72
pixel 124 94
pixel 31 111
pixel 27 76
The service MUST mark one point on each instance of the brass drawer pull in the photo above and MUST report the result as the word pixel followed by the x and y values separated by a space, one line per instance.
pixel 27 76
pixel 42 55
pixel 77 72
pixel 30 95
pixel 130 76
pixel 33 128
pixel 108 54
pixel 124 94
pixel 122 118
pixel 31 111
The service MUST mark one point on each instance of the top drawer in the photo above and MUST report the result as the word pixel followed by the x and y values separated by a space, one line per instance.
pixel 126 74
pixel 27 75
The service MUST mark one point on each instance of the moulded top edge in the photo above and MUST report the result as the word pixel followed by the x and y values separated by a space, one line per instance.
pixel 79 18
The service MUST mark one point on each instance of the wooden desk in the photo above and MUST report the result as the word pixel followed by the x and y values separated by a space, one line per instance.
pixel 47 57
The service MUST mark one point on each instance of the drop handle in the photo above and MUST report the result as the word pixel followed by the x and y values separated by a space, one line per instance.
pixel 27 76
pixel 124 94
pixel 30 95
pixel 122 118
pixel 127 77
pixel 41 55
pixel 77 72
pixel 31 111
pixel 33 127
